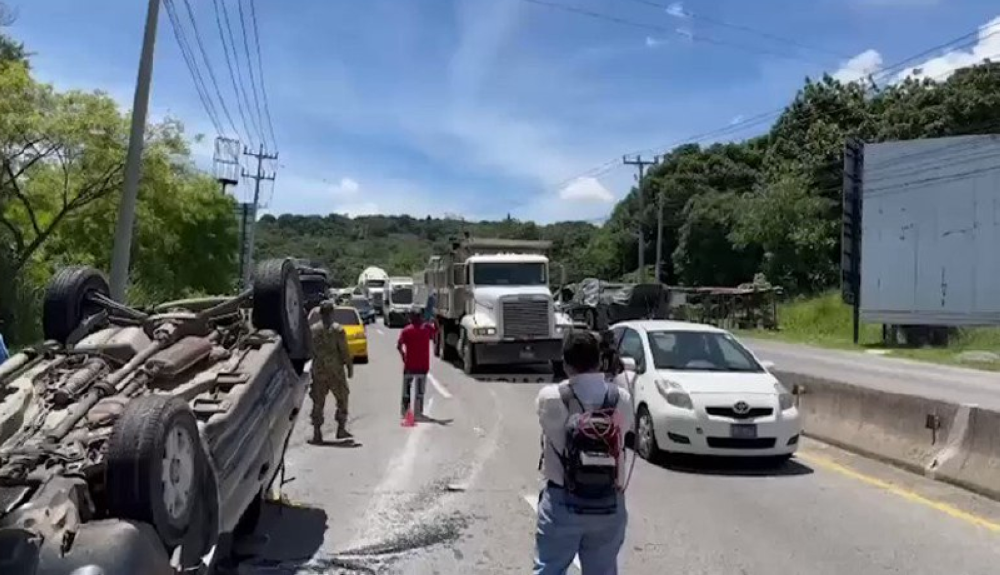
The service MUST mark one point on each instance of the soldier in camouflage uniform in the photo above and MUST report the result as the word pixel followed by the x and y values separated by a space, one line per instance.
pixel 330 357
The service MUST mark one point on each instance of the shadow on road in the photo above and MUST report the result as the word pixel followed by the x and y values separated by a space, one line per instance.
pixel 293 536
pixel 733 466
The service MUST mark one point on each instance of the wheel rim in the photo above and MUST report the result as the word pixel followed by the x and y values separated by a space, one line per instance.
pixel 293 307
pixel 178 472
pixel 645 435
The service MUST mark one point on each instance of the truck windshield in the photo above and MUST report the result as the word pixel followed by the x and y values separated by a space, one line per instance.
pixel 375 283
pixel 509 273
pixel 402 295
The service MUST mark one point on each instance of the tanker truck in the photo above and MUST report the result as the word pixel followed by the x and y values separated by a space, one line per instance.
pixel 372 282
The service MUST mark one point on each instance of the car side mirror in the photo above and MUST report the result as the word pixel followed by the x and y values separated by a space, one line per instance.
pixel 629 364
pixel 767 364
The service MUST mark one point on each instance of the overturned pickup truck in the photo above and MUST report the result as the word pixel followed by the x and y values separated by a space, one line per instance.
pixel 598 304
pixel 142 441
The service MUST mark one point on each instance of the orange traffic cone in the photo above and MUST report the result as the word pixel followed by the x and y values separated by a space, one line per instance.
pixel 409 420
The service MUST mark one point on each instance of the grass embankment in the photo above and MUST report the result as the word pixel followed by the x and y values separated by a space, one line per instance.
pixel 825 321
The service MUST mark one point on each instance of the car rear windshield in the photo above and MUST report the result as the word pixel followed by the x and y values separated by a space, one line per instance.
pixel 700 351
pixel 361 304
pixel 402 295
pixel 345 316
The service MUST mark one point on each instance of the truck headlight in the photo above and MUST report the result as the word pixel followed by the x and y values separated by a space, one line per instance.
pixel 674 394
pixel 484 331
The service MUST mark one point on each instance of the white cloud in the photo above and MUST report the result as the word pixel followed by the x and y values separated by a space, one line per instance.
pixel 736 119
pixel 859 67
pixel 346 187
pixel 588 190
pixel 685 33
pixel 677 10
pixel 353 210
pixel 987 46
pixel 941 67
pixel 653 42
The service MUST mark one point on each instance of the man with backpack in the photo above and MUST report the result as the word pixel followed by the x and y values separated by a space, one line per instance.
pixel 581 510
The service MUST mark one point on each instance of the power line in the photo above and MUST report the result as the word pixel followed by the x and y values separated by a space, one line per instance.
pixel 663 29
pixel 208 65
pixel 232 73
pixel 239 71
pixel 192 66
pixel 260 68
pixel 253 81
pixel 742 28
pixel 811 114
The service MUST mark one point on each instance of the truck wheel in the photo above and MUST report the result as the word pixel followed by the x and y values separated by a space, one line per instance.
pixel 468 357
pixel 67 302
pixel 156 465
pixel 277 306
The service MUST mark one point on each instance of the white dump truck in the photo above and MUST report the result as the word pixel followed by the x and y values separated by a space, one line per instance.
pixel 398 301
pixel 493 305
pixel 371 283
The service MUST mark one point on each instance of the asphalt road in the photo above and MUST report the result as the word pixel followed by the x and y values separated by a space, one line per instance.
pixel 898 375
pixel 455 497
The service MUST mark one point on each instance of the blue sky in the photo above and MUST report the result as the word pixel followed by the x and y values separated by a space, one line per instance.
pixel 488 107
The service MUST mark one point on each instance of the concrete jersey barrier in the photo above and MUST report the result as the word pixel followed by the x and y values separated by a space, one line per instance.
pixel 905 430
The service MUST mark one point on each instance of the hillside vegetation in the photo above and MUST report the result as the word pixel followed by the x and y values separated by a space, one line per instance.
pixel 770 204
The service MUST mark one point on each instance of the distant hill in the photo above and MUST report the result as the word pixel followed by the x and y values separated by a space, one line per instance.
pixel 401 244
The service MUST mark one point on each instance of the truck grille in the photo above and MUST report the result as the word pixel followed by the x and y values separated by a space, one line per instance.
pixel 526 318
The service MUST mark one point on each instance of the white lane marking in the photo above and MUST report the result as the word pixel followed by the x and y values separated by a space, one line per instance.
pixel 383 510
pixel 532 501
pixel 379 330
pixel 439 387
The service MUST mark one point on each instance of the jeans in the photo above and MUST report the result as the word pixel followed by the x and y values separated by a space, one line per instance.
pixel 562 535
pixel 420 384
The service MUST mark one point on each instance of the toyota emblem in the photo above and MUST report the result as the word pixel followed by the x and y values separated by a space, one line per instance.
pixel 741 408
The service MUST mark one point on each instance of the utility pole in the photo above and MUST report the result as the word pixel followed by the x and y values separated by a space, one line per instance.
pixel 122 249
pixel 258 177
pixel 641 164
pixel 659 237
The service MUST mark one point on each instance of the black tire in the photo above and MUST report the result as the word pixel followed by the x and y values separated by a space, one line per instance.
pixel 137 450
pixel 278 306
pixel 468 357
pixel 645 445
pixel 362 360
pixel 66 302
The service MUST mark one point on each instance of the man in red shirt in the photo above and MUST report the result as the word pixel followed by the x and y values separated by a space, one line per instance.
pixel 414 347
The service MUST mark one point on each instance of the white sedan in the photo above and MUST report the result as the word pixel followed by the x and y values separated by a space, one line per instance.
pixel 697 390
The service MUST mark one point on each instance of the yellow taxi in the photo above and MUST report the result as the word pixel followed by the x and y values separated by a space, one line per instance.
pixel 357 337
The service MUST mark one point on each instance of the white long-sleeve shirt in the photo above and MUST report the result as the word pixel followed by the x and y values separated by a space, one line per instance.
pixel 590 388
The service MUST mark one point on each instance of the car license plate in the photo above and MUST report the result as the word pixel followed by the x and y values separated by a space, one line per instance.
pixel 527 354
pixel 743 431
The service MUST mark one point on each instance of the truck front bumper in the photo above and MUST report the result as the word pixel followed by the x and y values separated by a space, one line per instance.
pixel 517 352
